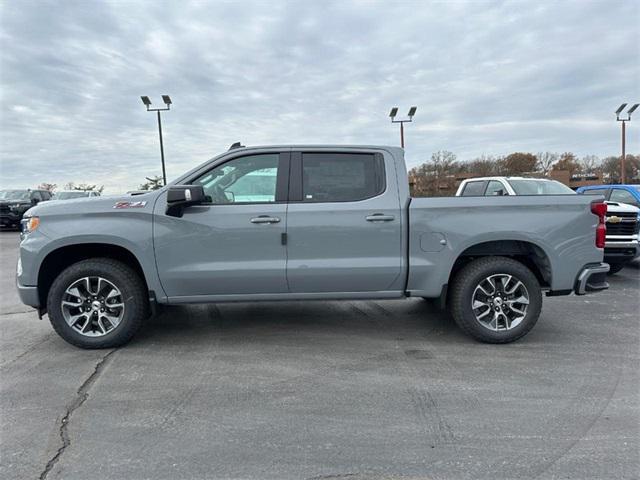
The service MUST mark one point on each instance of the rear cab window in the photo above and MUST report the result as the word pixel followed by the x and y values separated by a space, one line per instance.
pixel 341 177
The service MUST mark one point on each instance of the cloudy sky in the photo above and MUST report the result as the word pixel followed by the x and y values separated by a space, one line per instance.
pixel 487 77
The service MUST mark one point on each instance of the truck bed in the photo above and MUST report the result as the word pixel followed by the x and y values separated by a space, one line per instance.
pixel 559 228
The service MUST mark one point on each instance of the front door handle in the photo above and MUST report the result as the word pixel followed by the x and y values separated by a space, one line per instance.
pixel 379 217
pixel 265 219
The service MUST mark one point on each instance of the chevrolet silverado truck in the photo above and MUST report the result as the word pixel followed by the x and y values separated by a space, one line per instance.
pixel 305 222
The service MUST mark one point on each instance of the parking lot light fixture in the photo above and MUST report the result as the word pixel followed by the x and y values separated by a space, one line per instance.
pixel 624 135
pixel 147 103
pixel 394 113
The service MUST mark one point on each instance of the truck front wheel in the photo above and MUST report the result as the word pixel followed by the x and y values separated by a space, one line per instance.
pixel 495 299
pixel 97 303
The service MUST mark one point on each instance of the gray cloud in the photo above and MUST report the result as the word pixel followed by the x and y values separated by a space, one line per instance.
pixel 488 77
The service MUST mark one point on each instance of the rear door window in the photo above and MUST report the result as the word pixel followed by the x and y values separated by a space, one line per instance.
pixel 495 188
pixel 474 189
pixel 341 177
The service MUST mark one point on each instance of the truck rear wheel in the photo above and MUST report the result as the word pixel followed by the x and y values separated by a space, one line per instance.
pixel 97 303
pixel 495 299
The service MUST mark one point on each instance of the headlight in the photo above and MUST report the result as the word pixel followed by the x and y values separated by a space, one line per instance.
pixel 29 224
pixel 15 207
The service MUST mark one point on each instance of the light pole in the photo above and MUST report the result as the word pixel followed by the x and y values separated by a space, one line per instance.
pixel 167 101
pixel 394 112
pixel 624 136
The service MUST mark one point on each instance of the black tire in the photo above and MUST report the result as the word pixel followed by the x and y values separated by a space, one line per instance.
pixel 134 297
pixel 466 281
pixel 615 268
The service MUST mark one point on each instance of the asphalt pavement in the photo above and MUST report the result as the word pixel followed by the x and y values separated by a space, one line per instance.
pixel 324 390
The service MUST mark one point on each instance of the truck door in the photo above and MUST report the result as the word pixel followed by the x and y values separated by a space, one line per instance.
pixel 344 223
pixel 234 244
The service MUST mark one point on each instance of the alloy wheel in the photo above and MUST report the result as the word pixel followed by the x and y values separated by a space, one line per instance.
pixel 92 306
pixel 500 302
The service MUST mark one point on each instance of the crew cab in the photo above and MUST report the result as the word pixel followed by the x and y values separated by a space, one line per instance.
pixel 305 223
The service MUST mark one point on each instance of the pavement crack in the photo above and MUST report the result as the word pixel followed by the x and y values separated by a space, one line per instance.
pixel 81 396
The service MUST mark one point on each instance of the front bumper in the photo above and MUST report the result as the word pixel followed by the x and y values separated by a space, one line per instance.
pixel 29 295
pixel 592 278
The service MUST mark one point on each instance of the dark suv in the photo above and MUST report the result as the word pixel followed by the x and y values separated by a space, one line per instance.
pixel 13 204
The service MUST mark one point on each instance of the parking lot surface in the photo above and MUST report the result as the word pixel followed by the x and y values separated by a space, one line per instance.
pixel 321 390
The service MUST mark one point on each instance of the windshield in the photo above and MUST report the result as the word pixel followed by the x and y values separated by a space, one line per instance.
pixel 17 195
pixel 68 195
pixel 540 187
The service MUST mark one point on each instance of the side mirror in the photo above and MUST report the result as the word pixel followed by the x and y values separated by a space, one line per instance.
pixel 181 196
pixel 499 193
pixel 34 201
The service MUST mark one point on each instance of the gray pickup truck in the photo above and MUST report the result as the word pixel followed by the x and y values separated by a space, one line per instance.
pixel 305 222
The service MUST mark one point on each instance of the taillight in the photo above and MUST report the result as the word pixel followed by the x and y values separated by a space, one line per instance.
pixel 600 209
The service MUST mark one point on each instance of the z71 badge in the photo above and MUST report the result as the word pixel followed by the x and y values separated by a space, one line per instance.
pixel 130 204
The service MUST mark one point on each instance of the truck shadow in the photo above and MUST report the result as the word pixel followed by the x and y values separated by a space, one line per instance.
pixel 265 320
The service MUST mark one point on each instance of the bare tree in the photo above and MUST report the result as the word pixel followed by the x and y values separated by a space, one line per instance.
pixel 153 183
pixel 545 161
pixel 434 177
pixel 568 161
pixel 50 187
pixel 482 166
pixel 519 163
pixel 589 163
pixel 611 168
pixel 85 187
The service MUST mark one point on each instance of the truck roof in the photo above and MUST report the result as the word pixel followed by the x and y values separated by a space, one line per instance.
pixel 503 177
pixel 319 145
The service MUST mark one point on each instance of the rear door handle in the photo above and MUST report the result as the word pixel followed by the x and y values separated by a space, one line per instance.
pixel 265 219
pixel 379 217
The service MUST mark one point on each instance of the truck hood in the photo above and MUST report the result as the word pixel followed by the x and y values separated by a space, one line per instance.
pixel 86 205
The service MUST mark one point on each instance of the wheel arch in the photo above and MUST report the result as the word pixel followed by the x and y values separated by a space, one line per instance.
pixel 528 253
pixel 60 258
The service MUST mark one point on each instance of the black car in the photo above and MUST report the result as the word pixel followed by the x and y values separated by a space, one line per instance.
pixel 13 204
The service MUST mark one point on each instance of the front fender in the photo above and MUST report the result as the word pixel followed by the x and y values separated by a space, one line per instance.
pixel 132 231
